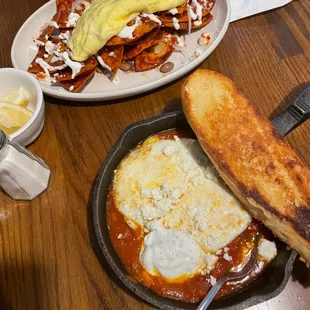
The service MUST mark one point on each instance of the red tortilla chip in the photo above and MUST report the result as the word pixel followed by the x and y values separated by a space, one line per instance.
pixel 181 9
pixel 47 32
pixel 66 74
pixel 64 5
pixel 146 26
pixel 184 25
pixel 79 82
pixel 36 68
pixel 112 56
pixel 156 55
pixel 182 15
pixel 133 51
pixel 81 7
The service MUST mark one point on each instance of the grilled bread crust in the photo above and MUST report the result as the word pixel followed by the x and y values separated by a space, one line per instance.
pixel 252 158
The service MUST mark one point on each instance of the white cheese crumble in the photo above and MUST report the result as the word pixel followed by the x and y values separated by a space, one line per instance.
pixel 267 249
pixel 176 24
pixel 77 4
pixel 53 24
pixel 169 150
pixel 39 43
pixel 212 280
pixel 210 261
pixel 227 257
pixel 173 11
pixel 72 19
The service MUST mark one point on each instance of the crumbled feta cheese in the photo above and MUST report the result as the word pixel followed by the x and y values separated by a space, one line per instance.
pixel 156 193
pixel 176 24
pixel 202 226
pixel 212 280
pixel 267 249
pixel 146 193
pixel 175 193
pixel 210 261
pixel 173 11
pixel 149 213
pixel 186 165
pixel 192 211
pixel 164 205
pixel 72 19
pixel 169 150
pixel 53 24
pixel 227 257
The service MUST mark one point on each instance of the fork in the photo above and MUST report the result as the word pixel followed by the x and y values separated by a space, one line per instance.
pixel 236 273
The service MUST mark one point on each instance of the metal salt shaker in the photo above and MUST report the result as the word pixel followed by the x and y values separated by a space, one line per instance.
pixel 22 175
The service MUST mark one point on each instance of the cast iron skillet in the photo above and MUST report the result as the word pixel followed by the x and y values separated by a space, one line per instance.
pixel 269 284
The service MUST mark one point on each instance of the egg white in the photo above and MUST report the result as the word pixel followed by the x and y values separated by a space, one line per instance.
pixel 173 183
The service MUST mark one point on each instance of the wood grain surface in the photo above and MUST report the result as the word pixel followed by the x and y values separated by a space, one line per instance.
pixel 47 249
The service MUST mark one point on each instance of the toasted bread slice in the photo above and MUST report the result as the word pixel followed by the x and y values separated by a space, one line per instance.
pixel 259 167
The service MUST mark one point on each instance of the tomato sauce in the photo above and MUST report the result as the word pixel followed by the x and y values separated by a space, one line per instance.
pixel 128 243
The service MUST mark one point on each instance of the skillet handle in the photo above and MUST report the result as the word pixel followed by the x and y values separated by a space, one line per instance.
pixel 294 114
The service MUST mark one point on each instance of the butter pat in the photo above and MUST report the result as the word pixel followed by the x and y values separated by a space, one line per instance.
pixel 104 19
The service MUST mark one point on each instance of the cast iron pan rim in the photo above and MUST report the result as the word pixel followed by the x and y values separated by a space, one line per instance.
pixel 254 300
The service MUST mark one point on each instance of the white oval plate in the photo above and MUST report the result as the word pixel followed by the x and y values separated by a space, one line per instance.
pixel 130 83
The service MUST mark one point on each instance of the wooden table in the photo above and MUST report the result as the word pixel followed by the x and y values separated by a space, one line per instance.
pixel 47 247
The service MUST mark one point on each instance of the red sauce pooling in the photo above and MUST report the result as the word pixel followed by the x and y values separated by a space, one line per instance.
pixel 128 242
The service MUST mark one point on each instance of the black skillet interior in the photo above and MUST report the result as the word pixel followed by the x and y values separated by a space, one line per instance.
pixel 267 286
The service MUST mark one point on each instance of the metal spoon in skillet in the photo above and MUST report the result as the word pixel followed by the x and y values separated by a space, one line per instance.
pixel 237 272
